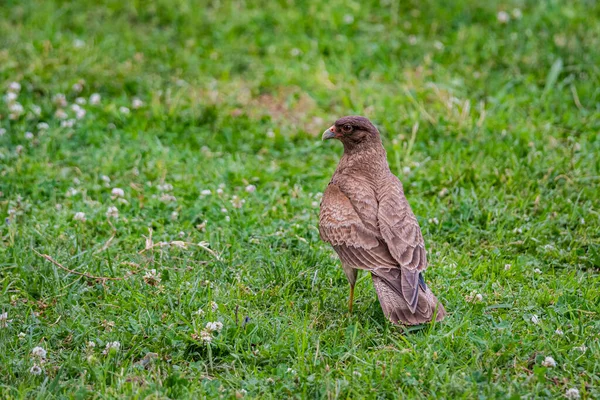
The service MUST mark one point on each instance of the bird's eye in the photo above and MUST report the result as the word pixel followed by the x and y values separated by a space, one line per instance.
pixel 347 128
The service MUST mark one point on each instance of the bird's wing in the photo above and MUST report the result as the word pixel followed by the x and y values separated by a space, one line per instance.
pixel 401 232
pixel 340 224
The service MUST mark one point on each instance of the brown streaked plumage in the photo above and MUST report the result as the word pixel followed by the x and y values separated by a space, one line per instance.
pixel 368 221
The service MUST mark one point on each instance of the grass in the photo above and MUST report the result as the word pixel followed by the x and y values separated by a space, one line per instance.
pixel 492 127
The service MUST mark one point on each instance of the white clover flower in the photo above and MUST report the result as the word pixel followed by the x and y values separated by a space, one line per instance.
pixel 4 319
pixel 42 126
pixel 165 187
pixel 78 43
pixel 295 52
pixel 205 192
pixel 206 336
pixel 406 170
pixel 14 87
pixel 434 221
pixel 174 216
pixel 37 110
pixel 270 134
pixel 112 212
pixel 61 114
pixel 38 352
pixel 22 335
pixel 549 362
pixel 236 202
pixel 136 103
pixel 250 188
pixel 478 297
pixel 68 123
pixel 535 319
pixel 223 210
pixel 71 192
pixel 537 271
pixel 60 100
pixel 199 312
pixel 438 45
pixel 507 267
pixel 348 19
pixel 91 344
pixel 572 393
pixel 16 108
pixel 167 198
pixel 110 346
pixel 315 204
pixel 117 192
pixel 214 326
pixel 95 99
pixel 503 17
pixel 77 87
pixel 559 332
pixel 219 191
pixel 516 13
pixel 80 114
pixel 35 370
pixel 214 306
pixel 412 40
pixel 79 216
pixel 124 110
pixel 81 101
pixel 10 97
pixel 105 178
pixel 29 135
pixel 152 278
pixel 227 218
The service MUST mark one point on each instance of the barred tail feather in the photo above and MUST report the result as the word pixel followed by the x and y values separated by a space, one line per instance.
pixel 396 308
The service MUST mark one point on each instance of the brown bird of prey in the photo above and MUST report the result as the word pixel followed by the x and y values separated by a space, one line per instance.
pixel 368 221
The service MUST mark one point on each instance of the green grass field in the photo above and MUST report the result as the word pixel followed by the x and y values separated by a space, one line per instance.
pixel 490 113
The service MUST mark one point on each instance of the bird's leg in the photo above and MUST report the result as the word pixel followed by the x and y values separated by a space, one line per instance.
pixel 351 299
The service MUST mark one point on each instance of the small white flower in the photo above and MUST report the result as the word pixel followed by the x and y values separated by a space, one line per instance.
pixel 199 312
pixel 61 114
pixel 214 306
pixel 559 332
pixel 71 192
pixel 80 114
pixel 78 43
pixel 227 218
pixel 42 126
pixel 406 170
pixel 572 393
pixel 136 103
pixel 503 17
pixel 105 178
pixel 38 352
pixel 223 210
pixel 110 346
pixel 37 110
pixel 68 123
pixel 205 192
pixel 214 326
pixel 348 19
pixel 478 297
pixel 174 216
pixel 537 271
pixel 4 318
pixel 295 52
pixel 16 108
pixel 165 187
pixel 250 188
pixel 35 370
pixel 581 348
pixel 412 40
pixel 219 191
pixel 236 202
pixel 152 278
pixel 112 212
pixel 206 336
pixel 535 319
pixel 77 87
pixel 357 374
pixel 95 99
pixel 22 335
pixel 315 204
pixel 81 101
pixel 516 13
pixel 28 135
pixel 270 134
pixel 14 87
pixel 2 131
pixel 507 267
pixel 10 97
pixel 60 100
pixel 79 216
pixel 438 45
pixel 124 110
pixel 291 371
pixel 117 192
pixel 434 221
pixel 91 344
pixel 549 362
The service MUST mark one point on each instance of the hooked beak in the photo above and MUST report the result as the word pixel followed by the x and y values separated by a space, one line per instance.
pixel 329 133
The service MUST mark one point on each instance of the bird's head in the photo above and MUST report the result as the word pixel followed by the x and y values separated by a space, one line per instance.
pixel 353 131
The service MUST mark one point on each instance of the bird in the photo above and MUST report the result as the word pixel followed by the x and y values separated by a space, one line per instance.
pixel 366 218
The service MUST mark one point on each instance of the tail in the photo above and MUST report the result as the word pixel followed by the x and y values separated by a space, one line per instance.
pixel 397 309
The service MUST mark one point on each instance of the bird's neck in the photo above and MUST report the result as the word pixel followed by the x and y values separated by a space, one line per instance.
pixel 368 159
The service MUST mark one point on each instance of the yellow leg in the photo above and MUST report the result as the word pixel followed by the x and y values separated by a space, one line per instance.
pixel 351 299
